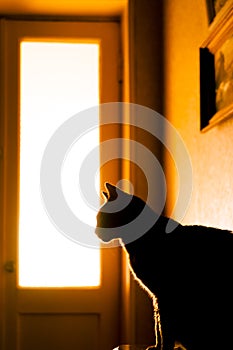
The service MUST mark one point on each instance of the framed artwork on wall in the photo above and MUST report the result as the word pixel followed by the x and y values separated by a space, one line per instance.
pixel 210 10
pixel 214 7
pixel 216 71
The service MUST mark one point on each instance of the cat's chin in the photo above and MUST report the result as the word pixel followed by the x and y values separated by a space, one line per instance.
pixel 112 241
pixel 105 235
pixel 99 233
pixel 105 241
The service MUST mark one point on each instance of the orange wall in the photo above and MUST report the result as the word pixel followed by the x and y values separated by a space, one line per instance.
pixel 185 28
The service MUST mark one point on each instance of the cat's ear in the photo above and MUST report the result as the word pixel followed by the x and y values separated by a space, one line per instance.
pixel 105 195
pixel 112 191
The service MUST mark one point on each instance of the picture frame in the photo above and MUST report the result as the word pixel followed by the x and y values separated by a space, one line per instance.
pixel 214 7
pixel 210 10
pixel 216 71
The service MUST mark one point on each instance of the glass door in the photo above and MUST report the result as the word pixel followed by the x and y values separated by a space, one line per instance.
pixel 57 80
pixel 58 294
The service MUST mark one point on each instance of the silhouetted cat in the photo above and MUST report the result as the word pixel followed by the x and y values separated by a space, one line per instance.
pixel 188 270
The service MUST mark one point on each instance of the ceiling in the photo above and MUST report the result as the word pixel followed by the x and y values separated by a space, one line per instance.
pixel 62 7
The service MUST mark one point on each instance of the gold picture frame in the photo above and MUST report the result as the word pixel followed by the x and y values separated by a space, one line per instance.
pixel 216 70
pixel 214 7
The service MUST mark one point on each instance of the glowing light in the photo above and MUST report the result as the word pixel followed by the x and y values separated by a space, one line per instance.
pixel 57 80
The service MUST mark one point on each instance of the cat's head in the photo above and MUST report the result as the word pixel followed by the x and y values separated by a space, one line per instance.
pixel 119 209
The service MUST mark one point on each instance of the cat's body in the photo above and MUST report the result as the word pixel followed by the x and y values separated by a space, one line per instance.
pixel 188 270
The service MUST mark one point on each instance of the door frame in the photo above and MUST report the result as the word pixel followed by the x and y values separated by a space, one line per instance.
pixel 9 175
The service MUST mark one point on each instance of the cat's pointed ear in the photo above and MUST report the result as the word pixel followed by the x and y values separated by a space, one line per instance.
pixel 112 191
pixel 105 195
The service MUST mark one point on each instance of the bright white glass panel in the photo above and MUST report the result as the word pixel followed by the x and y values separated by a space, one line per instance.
pixel 57 80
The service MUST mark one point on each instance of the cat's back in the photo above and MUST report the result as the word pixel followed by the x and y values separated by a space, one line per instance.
pixel 203 244
pixel 200 248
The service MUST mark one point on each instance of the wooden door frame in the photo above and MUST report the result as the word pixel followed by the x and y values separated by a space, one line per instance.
pixel 131 84
pixel 11 280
